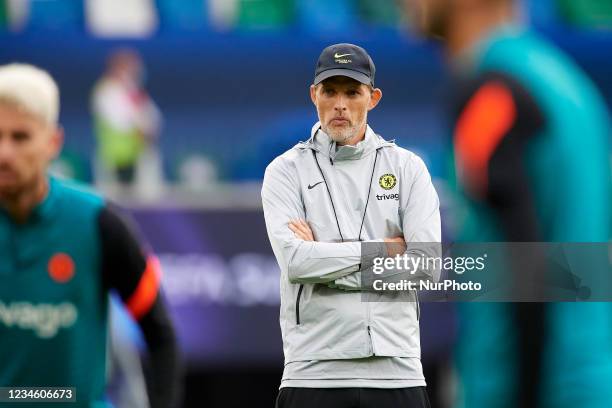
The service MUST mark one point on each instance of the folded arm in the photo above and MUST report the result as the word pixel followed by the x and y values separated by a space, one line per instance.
pixel 306 261
pixel 420 217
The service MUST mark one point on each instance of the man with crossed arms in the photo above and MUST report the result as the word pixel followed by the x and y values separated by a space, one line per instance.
pixel 332 204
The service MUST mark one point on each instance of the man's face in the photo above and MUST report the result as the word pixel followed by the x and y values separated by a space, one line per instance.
pixel 342 105
pixel 127 66
pixel 27 145
pixel 429 17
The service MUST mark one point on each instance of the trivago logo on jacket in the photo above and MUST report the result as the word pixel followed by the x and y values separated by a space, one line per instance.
pixel 44 319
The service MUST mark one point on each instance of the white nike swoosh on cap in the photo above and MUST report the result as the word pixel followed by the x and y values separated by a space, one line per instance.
pixel 336 55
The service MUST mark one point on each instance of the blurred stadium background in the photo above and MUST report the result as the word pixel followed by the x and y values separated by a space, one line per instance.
pixel 230 78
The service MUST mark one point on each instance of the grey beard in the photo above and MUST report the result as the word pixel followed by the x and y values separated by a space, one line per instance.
pixel 341 136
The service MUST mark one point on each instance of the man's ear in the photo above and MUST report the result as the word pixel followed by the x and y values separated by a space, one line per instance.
pixel 375 98
pixel 313 94
pixel 56 143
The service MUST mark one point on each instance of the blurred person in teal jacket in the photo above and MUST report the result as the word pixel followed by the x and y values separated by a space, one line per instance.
pixel 530 145
pixel 63 250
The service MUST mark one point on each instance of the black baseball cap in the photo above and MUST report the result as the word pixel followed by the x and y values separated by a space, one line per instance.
pixel 348 60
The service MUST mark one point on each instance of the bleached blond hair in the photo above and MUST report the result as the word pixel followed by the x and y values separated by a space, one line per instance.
pixel 30 89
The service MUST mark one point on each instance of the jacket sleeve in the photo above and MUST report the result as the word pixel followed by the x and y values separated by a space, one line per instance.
pixel 304 261
pixel 134 275
pixel 500 178
pixel 421 227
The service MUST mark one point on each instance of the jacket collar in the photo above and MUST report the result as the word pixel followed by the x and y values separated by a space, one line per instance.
pixel 323 144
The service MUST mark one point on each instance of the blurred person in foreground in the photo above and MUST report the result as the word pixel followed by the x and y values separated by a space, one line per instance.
pixel 530 144
pixel 63 249
pixel 127 122
pixel 332 205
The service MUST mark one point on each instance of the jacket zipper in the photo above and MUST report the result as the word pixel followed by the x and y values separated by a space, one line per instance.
pixel 367 305
pixel 371 341
pixel 345 203
pixel 342 238
pixel 297 304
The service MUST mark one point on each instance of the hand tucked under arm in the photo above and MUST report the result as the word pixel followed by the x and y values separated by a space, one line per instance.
pixel 393 246
pixel 302 230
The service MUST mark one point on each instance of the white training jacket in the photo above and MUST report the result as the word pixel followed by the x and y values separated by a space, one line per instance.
pixel 347 194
